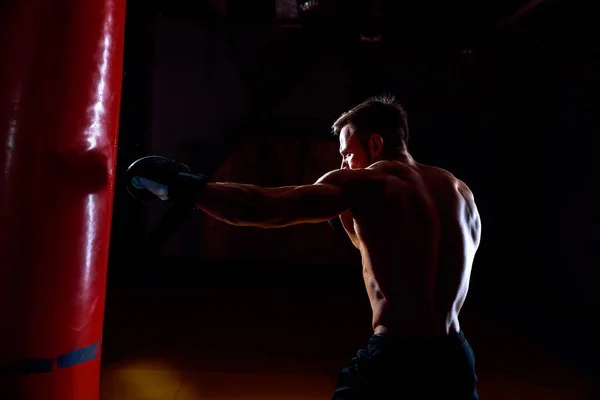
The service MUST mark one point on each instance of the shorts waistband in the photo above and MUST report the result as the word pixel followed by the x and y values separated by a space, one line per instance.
pixel 389 337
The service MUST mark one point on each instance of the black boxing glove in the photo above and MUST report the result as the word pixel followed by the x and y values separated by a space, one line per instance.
pixel 154 177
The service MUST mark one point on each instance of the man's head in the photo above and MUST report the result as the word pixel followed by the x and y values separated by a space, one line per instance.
pixel 374 130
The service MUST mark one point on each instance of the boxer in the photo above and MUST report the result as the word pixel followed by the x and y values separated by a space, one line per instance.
pixel 417 229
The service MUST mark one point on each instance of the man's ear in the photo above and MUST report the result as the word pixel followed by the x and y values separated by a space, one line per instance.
pixel 376 145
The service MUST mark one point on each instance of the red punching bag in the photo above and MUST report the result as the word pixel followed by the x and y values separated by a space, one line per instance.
pixel 60 89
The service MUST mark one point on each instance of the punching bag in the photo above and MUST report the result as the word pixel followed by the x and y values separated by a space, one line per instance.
pixel 60 89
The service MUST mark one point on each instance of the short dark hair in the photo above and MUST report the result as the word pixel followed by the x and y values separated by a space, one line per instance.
pixel 380 115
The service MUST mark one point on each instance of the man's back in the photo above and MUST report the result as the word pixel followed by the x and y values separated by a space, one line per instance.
pixel 417 235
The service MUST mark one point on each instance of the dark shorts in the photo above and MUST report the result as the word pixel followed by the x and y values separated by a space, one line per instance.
pixel 401 368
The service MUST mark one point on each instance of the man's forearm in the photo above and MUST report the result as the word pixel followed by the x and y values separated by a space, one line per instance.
pixel 236 204
pixel 250 205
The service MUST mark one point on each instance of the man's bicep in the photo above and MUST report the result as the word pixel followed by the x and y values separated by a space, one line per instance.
pixel 332 194
pixel 356 185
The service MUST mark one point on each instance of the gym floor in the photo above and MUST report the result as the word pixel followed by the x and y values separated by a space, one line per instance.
pixel 225 344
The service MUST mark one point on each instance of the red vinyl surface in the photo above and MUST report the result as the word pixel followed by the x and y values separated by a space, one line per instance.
pixel 60 85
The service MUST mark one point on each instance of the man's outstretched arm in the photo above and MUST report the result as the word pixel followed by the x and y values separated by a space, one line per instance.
pixel 250 205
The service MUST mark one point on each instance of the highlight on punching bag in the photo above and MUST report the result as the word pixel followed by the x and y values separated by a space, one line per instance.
pixel 60 85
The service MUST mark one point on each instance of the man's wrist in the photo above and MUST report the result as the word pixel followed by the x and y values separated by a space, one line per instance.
pixel 186 186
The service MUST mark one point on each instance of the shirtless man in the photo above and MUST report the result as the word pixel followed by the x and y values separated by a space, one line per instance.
pixel 417 229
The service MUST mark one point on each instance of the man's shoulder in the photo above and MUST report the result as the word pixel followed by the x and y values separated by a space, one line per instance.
pixel 386 165
pixel 397 171
pixel 436 179
pixel 446 182
pixel 352 176
pixel 439 175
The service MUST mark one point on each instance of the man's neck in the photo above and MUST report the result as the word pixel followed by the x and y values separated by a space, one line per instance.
pixel 403 157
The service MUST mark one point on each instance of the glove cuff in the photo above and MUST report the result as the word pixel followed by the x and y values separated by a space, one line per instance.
pixel 185 186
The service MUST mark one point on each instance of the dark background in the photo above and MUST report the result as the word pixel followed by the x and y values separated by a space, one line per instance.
pixel 504 96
